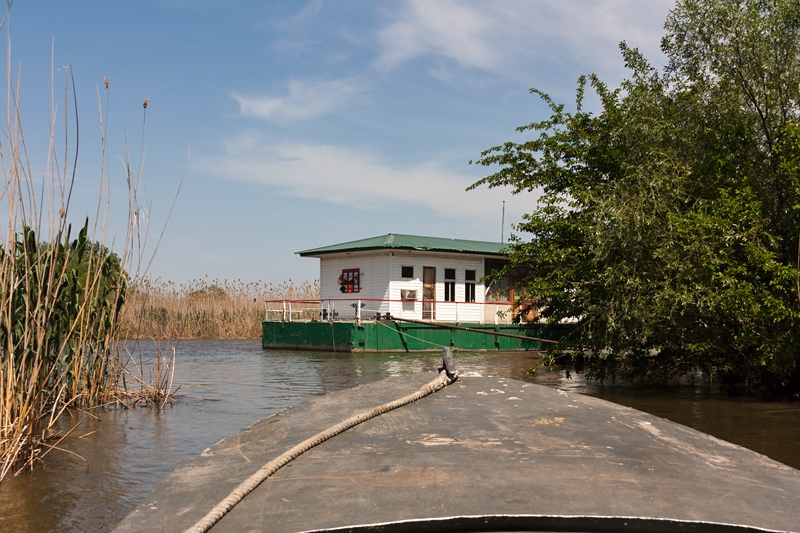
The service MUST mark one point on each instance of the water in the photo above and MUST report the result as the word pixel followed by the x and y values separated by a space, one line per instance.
pixel 113 458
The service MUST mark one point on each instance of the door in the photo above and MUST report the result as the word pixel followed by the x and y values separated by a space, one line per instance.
pixel 518 301
pixel 429 293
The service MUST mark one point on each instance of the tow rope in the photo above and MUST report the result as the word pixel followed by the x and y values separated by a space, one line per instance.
pixel 447 375
pixel 474 330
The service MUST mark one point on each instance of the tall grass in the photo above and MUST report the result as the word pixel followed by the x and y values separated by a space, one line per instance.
pixel 204 308
pixel 61 290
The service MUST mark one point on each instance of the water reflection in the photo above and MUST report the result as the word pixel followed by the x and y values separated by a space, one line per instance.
pixel 771 427
pixel 114 458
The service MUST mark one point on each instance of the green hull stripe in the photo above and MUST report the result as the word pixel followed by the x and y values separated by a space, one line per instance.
pixel 370 336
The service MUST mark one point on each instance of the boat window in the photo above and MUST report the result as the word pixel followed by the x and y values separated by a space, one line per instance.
pixel 497 291
pixel 350 280
pixel 469 285
pixel 449 284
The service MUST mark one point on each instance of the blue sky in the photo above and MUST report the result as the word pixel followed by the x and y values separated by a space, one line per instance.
pixel 303 124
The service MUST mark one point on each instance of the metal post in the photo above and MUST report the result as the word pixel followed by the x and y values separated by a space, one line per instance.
pixel 358 309
pixel 290 311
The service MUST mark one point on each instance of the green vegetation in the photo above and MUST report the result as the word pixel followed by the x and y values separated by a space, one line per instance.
pixel 61 296
pixel 669 221
pixel 59 329
pixel 75 289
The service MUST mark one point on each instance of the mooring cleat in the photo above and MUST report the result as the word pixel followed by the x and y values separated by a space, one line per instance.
pixel 448 364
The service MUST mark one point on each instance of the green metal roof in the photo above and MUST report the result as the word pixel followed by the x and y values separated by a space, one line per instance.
pixel 396 241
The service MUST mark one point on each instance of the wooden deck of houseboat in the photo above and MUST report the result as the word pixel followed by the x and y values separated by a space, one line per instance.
pixel 483 454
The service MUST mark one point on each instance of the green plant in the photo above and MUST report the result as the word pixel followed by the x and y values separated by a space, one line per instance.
pixel 61 297
pixel 667 229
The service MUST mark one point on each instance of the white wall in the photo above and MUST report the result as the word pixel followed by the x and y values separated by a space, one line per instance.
pixel 374 267
pixel 457 311
pixel 381 280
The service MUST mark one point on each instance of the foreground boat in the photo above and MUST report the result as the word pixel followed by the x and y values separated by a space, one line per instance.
pixel 482 454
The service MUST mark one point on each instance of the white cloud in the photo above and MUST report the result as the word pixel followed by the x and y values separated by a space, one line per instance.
pixel 504 36
pixel 304 100
pixel 445 28
pixel 356 179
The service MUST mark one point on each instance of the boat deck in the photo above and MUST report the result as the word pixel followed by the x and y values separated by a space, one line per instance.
pixel 530 456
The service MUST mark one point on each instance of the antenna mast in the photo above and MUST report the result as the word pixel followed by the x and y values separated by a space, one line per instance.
pixel 503 223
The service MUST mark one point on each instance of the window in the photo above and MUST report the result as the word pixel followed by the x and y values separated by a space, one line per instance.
pixel 496 290
pixel 407 272
pixel 449 284
pixel 469 286
pixel 350 280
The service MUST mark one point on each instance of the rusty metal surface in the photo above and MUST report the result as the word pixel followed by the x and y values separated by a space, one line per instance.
pixel 482 446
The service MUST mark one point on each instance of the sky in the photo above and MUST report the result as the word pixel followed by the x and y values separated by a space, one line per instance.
pixel 290 125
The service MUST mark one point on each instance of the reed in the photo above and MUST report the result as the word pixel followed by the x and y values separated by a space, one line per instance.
pixel 61 290
pixel 204 308
pixel 151 380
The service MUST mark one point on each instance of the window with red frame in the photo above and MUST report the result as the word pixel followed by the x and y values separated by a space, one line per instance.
pixel 350 280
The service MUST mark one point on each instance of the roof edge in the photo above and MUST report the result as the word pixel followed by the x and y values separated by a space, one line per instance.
pixel 397 241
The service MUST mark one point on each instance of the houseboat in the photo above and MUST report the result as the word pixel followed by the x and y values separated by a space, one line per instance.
pixel 402 293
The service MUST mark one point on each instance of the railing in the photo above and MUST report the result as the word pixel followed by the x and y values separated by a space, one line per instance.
pixel 350 309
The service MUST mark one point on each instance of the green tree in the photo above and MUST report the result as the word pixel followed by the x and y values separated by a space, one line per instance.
pixel 669 221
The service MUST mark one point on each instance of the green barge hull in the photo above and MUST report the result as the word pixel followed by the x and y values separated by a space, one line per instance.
pixel 400 336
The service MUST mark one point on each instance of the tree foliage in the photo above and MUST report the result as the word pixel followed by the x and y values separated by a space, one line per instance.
pixel 669 221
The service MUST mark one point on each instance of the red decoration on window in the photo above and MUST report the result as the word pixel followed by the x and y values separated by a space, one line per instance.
pixel 350 280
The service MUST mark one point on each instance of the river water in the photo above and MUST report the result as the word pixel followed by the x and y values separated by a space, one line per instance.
pixel 113 458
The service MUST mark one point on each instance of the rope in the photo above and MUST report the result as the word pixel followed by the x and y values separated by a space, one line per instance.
pixel 247 486
pixel 405 334
pixel 474 330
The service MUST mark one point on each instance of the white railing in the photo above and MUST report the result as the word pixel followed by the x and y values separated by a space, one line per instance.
pixel 355 309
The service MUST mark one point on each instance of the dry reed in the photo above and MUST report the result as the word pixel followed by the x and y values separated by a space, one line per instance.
pixel 151 380
pixel 61 291
pixel 204 308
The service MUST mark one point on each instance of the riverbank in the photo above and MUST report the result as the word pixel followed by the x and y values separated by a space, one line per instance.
pixel 204 308
pixel 228 385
